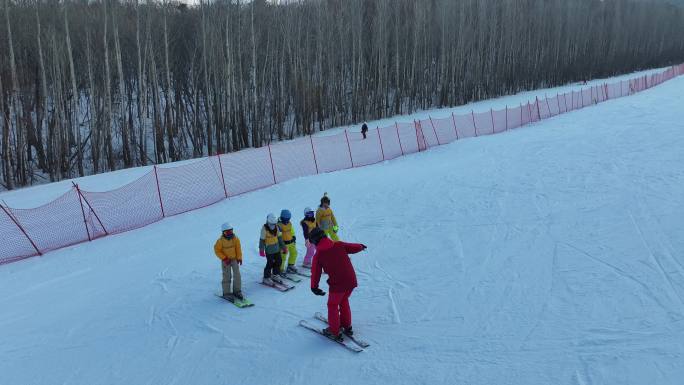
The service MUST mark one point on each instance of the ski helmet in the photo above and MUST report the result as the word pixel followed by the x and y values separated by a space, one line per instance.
pixel 308 211
pixel 285 215
pixel 271 219
pixel 226 226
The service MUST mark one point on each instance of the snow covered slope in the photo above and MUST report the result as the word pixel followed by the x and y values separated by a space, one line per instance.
pixel 552 254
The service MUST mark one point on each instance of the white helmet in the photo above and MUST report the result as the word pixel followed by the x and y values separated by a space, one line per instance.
pixel 271 219
pixel 307 210
pixel 226 226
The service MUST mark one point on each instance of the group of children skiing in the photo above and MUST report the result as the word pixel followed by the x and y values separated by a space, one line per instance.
pixel 277 244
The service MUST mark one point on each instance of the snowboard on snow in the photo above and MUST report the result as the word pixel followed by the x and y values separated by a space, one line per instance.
pixel 346 343
pixel 241 303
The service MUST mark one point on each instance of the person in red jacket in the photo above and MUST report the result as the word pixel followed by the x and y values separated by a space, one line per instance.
pixel 333 259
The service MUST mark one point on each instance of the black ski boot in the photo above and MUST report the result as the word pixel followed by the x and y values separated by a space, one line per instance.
pixel 337 337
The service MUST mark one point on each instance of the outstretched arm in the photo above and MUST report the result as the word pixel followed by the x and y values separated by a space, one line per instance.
pixel 353 248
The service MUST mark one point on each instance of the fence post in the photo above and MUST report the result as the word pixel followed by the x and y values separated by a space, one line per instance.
pixel 548 108
pixel 272 167
pixel 434 131
pixel 313 152
pixel 538 111
pixel 558 102
pixel 161 203
pixel 453 119
pixel 472 115
pixel 91 208
pixel 349 148
pixel 521 115
pixel 506 117
pixel 396 126
pixel 85 222
pixel 415 127
pixel 491 115
pixel 380 139
pixel 223 180
pixel 21 228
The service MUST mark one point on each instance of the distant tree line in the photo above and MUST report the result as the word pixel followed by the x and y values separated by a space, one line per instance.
pixel 91 86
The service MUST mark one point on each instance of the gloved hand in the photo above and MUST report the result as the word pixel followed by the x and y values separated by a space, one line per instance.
pixel 307 243
pixel 364 246
pixel 294 239
pixel 240 262
pixel 317 291
pixel 284 251
pixel 226 261
pixel 335 228
pixel 262 253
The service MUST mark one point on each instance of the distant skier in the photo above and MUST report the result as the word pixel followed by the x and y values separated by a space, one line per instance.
pixel 332 258
pixel 272 247
pixel 364 129
pixel 289 239
pixel 308 224
pixel 325 218
pixel 227 248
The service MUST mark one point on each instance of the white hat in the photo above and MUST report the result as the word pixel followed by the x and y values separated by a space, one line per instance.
pixel 307 210
pixel 226 226
pixel 271 219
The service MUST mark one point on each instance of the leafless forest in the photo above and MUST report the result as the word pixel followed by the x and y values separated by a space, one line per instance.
pixel 93 86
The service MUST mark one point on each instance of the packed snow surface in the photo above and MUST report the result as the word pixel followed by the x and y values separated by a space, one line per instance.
pixel 551 254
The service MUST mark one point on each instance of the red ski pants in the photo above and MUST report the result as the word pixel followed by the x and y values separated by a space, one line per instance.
pixel 339 312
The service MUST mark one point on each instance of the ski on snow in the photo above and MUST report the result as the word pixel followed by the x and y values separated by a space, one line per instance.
pixel 291 277
pixel 282 286
pixel 319 316
pixel 350 346
pixel 241 303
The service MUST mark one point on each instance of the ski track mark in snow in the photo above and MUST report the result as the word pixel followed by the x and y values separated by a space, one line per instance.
pixel 395 312
pixel 655 259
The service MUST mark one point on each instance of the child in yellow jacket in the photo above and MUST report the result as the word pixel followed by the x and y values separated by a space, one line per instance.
pixel 228 249
pixel 289 239
pixel 325 218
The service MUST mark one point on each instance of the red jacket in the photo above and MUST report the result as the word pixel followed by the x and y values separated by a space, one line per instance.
pixel 333 259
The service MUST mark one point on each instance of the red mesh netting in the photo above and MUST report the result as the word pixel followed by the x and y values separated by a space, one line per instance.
pixel 483 123
pixel 365 151
pixel 514 117
pixel 464 126
pixel 543 108
pixel 128 207
pixel 445 129
pixel 554 105
pixel 408 135
pixel 56 224
pixel 247 170
pixel 533 109
pixel 500 120
pixel 15 245
pixel 332 152
pixel 429 133
pixel 190 186
pixel 293 159
pixel 390 142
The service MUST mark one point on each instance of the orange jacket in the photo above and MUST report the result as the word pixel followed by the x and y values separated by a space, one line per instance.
pixel 228 248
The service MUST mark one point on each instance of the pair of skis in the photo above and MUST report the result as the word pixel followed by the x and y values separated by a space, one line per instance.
pixel 351 343
pixel 279 284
